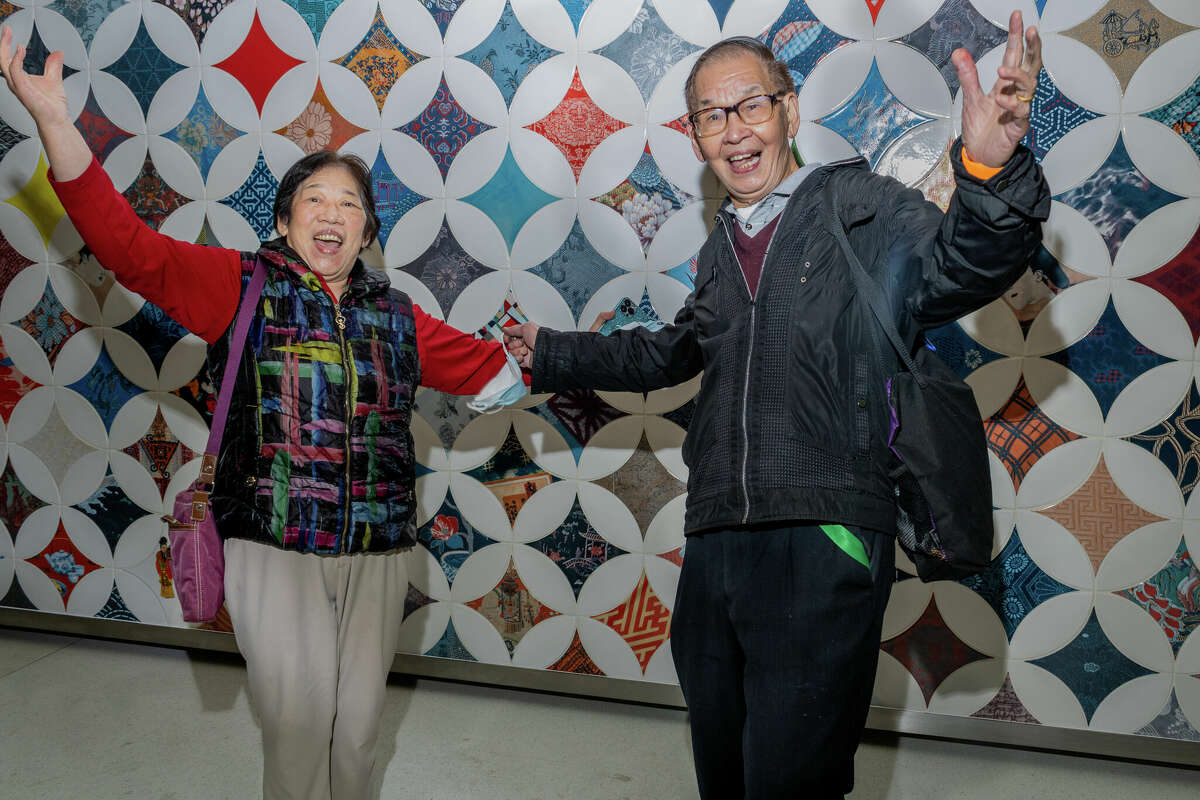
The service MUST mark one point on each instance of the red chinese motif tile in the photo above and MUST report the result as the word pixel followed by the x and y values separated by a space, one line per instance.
pixel 14 385
pixel 642 621
pixel 674 556
pixel 511 608
pixel 1020 434
pixel 151 197
pixel 930 651
pixel 1099 514
pixel 576 660
pixel 577 125
pixel 874 7
pixel 1176 280
pixel 160 452
pixel 63 564
pixel 11 262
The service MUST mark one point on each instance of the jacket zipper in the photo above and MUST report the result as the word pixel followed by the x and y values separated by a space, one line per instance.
pixel 749 360
pixel 347 365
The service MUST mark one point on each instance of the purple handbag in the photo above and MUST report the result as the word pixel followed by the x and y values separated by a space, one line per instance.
pixel 197 552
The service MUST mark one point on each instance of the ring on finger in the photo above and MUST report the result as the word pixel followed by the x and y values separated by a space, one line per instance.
pixel 1023 98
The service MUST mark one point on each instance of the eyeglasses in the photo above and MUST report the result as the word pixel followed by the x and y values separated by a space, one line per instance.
pixel 751 110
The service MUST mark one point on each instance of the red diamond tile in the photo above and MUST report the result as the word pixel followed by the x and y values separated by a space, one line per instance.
pixel 930 651
pixel 642 621
pixel 63 564
pixel 577 125
pixel 1176 280
pixel 258 63
pixel 576 660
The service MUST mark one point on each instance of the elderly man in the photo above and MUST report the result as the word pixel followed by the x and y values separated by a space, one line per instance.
pixel 790 512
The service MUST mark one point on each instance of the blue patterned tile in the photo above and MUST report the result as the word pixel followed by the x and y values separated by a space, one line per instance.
pixel 202 133
pixel 509 198
pixel 577 270
pixel 50 324
pixel 86 15
pixel 36 53
pixel 956 24
pixel 9 138
pixel 1182 115
pixel 575 9
pixel 445 268
pixel 1117 197
pixel 1171 723
pixel 1052 116
pixel 685 273
pixel 508 54
pixel 450 646
pixel 1014 585
pixel 315 13
pixel 444 128
pixel 647 49
pixel 154 331
pixel 1091 666
pixel 105 388
pixel 115 608
pixel 441 10
pixel 143 67
pixel 392 198
pixel 111 509
pixel 1108 358
pixel 576 548
pixel 645 199
pixel 873 118
pixel 721 9
pixel 800 40
pixel 451 538
pixel 1176 442
pixel 961 353
pixel 255 199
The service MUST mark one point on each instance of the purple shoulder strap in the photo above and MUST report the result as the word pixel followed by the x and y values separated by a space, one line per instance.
pixel 237 344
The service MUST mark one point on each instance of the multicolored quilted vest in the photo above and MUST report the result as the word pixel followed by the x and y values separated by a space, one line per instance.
pixel 317 456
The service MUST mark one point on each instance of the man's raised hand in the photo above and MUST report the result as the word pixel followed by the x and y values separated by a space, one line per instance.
pixel 993 124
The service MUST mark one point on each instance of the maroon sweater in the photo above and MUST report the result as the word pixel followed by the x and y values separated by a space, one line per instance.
pixel 751 250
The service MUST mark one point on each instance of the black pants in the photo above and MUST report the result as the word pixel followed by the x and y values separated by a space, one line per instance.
pixel 775 637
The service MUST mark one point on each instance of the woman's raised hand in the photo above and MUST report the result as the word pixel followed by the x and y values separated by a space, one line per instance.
pixel 45 98
pixel 42 95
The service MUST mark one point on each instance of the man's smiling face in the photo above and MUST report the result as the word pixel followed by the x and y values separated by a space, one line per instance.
pixel 749 160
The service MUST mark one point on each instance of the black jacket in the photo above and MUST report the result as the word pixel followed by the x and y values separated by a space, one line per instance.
pixel 789 419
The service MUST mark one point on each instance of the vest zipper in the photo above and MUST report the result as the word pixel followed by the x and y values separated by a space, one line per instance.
pixel 347 365
pixel 749 359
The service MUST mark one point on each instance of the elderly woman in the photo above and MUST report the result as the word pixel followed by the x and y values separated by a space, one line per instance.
pixel 314 490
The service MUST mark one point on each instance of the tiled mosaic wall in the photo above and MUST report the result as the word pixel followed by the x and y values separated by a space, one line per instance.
pixel 531 151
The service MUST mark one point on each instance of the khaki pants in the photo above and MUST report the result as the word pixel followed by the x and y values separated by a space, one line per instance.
pixel 318 634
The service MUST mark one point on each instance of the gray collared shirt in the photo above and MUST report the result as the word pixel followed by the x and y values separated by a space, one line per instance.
pixel 772 205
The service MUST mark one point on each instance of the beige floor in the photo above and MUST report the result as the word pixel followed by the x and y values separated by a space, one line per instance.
pixel 83 718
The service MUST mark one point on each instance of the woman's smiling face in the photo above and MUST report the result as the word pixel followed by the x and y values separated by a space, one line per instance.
pixel 327 224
